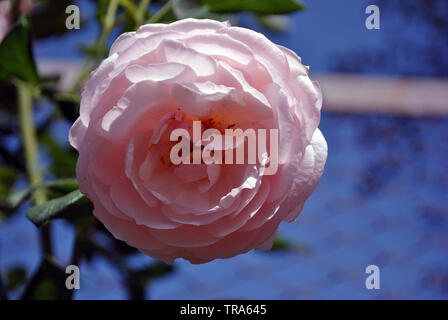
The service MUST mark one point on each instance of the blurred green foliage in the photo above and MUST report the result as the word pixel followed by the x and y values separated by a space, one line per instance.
pixel 15 277
pixel 61 189
pixel 16 56
pixel 256 6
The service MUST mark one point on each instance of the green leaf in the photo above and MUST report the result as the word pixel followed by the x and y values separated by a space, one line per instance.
pixel 58 186
pixel 283 245
pixel 256 6
pixel 57 208
pixel 16 56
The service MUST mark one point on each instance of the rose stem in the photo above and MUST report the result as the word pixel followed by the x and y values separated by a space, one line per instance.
pixel 30 147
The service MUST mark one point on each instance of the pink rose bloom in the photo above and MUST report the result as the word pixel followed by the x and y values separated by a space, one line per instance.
pixel 5 18
pixel 161 78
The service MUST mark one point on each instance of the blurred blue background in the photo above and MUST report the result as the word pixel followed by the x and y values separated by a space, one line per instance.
pixel 383 198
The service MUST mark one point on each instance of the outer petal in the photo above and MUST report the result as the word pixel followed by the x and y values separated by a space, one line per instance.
pixel 302 189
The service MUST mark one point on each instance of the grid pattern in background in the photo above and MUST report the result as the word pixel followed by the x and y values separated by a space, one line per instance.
pixel 383 200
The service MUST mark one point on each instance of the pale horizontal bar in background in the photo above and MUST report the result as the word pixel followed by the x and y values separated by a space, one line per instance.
pixel 350 93
pixel 343 93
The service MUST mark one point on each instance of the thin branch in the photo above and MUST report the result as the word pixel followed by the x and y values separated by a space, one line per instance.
pixel 92 59
pixel 141 10
pixel 130 8
pixel 30 148
pixel 161 13
pixel 28 133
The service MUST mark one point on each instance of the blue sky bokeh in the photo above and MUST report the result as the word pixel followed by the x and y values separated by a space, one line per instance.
pixel 383 198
